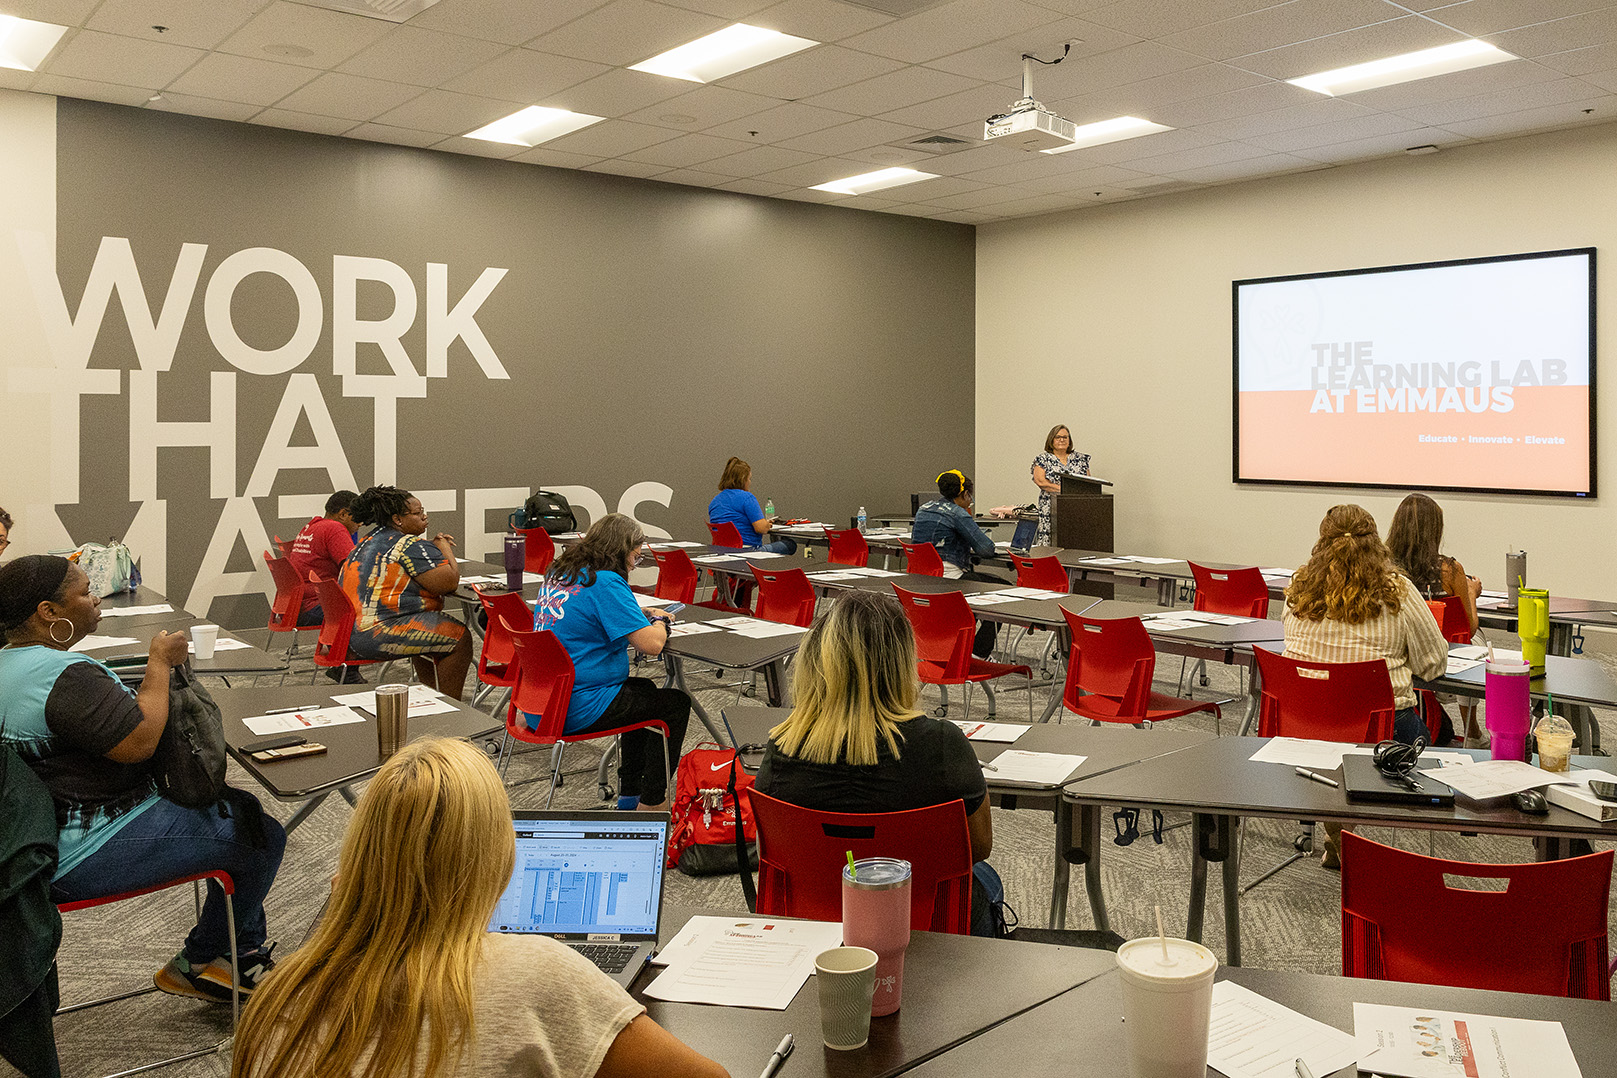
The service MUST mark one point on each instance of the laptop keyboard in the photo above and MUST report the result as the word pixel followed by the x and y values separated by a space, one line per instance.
pixel 608 957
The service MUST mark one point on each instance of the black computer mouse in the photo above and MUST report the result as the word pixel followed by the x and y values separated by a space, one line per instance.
pixel 1531 802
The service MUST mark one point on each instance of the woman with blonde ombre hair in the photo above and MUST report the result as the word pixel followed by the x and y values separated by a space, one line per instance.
pixel 403 978
pixel 856 740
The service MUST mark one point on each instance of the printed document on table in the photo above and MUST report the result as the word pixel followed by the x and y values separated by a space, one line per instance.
pixel 992 731
pixel 423 701
pixel 1143 560
pixel 991 598
pixel 1409 1042
pixel 1480 651
pixel 98 643
pixel 480 580
pixel 1252 1036
pixel 299 721
pixel 648 601
pixel 1301 752
pixel 224 643
pixel 834 576
pixel 1487 779
pixel 736 622
pixel 672 543
pixel 745 967
pixel 1020 767
pixel 1214 619
pixel 1168 625
pixel 765 629
pixel 1457 665
pixel 692 628
pixel 136 611
pixel 1031 593
pixel 818 936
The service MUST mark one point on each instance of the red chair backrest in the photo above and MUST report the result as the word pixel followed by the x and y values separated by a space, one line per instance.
pixel 801 853
pixel 503 608
pixel 337 613
pixel 539 550
pixel 726 534
pixel 1045 572
pixel 283 546
pixel 1231 591
pixel 288 602
pixel 1451 619
pixel 784 595
pixel 544 684
pixel 848 547
pixel 922 559
pixel 944 629
pixel 1112 661
pixel 1327 701
pixel 1545 933
pixel 676 576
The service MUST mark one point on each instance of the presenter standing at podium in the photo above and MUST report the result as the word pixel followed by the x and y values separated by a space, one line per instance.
pixel 1057 460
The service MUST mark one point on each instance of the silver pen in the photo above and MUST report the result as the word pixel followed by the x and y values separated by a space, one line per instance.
pixel 782 1052
pixel 986 766
pixel 300 707
pixel 1317 777
pixel 1302 1069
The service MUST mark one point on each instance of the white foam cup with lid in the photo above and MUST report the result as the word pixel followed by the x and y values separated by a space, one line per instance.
pixel 1167 1004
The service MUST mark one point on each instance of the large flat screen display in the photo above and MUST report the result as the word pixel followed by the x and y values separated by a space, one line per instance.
pixel 1469 375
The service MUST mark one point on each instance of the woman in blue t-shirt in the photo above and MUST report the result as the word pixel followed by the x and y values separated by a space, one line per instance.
pixel 736 504
pixel 91 740
pixel 585 600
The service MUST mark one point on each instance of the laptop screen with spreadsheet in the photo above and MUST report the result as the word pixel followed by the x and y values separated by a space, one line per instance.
pixel 585 874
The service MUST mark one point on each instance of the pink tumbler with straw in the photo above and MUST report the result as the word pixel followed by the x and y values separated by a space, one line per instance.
pixel 876 915
pixel 1506 709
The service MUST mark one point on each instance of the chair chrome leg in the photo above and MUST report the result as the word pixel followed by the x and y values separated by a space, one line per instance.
pixel 555 770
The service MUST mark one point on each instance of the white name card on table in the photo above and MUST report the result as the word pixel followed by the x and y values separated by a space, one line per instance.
pixel 992 731
pixel 1018 767
pixel 136 611
pixel 1252 1036
pixel 746 965
pixel 423 701
pixel 1398 1042
pixel 298 721
pixel 224 643
pixel 101 643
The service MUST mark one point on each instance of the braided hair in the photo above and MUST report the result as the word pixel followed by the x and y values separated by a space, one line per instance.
pixel 1350 576
pixel 379 505
pixel 25 583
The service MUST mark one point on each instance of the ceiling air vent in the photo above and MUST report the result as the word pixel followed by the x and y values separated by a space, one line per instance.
pixel 896 8
pixel 386 10
pixel 936 145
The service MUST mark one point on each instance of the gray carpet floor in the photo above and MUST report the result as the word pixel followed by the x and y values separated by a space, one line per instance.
pixel 1291 922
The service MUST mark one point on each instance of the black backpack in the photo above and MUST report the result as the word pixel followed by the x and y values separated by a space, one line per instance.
pixel 548 510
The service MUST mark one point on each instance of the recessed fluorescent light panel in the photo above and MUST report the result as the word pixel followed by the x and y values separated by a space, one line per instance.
pixel 874 181
pixel 1443 60
pixel 24 43
pixel 534 125
pixel 724 52
pixel 1114 130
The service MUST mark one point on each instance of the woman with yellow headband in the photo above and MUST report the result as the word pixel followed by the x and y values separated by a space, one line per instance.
pixel 947 524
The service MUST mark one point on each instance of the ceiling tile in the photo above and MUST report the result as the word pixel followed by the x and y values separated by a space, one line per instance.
pixel 757 161
pixel 1262 98
pixel 819 20
pixel 950 28
pixel 944 186
pixel 12 79
pixel 687 150
pixel 1480 18
pixel 612 138
pixel 1001 61
pixel 445 112
pixel 422 57
pixel 710 105
pixel 619 92
pixel 1478 80
pixel 472 147
pixel 625 167
pixel 1380 145
pixel 303 121
pixel 824 170
pixel 189 105
pixel 966 200
pixel 1131 63
pixel 201 25
pixel 1284 24
pixel 859 135
pixel 399 136
pixel 241 78
pixel 1267 165
pixel 60 12
pixel 502 20
pixel 1579 31
pixel 126 60
pixel 1026 207
pixel 725 9
pixel 348 96
pixel 1606 80
pixel 895 90
pixel 627 32
pixel 1516 99
pixel 1582 61
pixel 980 156
pixel 1034 168
pixel 780 123
pixel 966 217
pixel 525 76
pixel 1219 153
pixel 1338 131
pixel 691 178
pixel 753 187
pixel 1153 19
pixel 1319 110
pixel 813 71
pixel 1146 97
pixel 1521 123
pixel 1391 38
pixel 1135 149
pixel 969 108
pixel 329 37
pixel 88 89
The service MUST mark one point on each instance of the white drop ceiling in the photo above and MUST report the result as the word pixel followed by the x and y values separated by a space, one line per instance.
pixel 1212 69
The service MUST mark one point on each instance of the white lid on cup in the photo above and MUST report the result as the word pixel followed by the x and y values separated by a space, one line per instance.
pixel 1186 961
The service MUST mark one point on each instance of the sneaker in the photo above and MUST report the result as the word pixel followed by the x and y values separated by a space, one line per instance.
pixel 212 981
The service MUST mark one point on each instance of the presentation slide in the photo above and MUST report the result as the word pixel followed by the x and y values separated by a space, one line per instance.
pixel 1464 375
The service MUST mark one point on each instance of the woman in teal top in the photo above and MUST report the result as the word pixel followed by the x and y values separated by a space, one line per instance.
pixel 90 739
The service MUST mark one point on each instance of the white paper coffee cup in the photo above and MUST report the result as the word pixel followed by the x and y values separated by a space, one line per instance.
pixel 847 982
pixel 1167 1004
pixel 203 639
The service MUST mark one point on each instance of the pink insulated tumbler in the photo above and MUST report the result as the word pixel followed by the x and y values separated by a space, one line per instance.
pixel 876 915
pixel 1506 709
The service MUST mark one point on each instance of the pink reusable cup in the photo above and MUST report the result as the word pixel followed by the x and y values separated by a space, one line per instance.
pixel 1506 709
pixel 876 915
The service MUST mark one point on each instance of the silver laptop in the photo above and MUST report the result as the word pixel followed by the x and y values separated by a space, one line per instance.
pixel 593 880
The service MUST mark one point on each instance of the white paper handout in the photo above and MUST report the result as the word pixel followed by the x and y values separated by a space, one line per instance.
pixel 990 598
pixel 1408 1042
pixel 838 577
pixel 992 731
pixel 1143 560
pixel 423 701
pixel 1302 752
pixel 1168 625
pixel 101 643
pixel 1022 768
pixel 1252 1036
pixel 136 611
pixel 1211 618
pixel 713 558
pixel 1031 593
pixel 298 721
pixel 1457 665
pixel 747 966
pixel 648 601
pixel 224 643
pixel 693 628
pixel 1489 779
pixel 672 543
pixel 699 931
pixel 763 629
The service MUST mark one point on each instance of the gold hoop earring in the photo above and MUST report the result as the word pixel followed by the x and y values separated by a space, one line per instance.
pixel 52 631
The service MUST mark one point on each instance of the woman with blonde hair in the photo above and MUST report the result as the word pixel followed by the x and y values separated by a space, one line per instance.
pixel 402 978
pixel 856 741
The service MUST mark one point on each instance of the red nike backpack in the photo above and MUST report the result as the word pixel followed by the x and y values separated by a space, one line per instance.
pixel 703 840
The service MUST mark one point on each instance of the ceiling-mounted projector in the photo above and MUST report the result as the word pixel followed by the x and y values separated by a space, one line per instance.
pixel 1029 125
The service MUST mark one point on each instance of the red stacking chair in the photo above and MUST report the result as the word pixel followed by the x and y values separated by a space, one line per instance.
pixel 801 853
pixel 726 534
pixel 676 576
pixel 1047 574
pixel 337 616
pixel 848 547
pixel 283 546
pixel 223 879
pixel 921 559
pixel 1545 933
pixel 944 629
pixel 1109 674
pixel 544 690
pixel 1241 592
pixel 496 665
pixel 288 604
pixel 539 550
pixel 784 595
pixel 1451 618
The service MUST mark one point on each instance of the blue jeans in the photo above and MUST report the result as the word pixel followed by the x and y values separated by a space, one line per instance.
pixel 167 842
pixel 1408 726
pixel 783 545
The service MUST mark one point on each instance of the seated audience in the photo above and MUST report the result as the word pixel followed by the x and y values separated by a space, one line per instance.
pixel 585 600
pixel 91 739
pixel 736 504
pixel 321 548
pixel 947 523
pixel 856 741
pixel 402 979
pixel 397 581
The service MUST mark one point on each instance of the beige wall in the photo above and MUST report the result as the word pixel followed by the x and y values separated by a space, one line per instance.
pixel 1116 321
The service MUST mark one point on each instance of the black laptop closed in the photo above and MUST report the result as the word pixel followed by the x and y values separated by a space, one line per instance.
pixel 1362 782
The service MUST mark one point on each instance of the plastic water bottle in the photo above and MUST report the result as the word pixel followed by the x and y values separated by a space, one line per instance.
pixel 861 519
pixel 769 508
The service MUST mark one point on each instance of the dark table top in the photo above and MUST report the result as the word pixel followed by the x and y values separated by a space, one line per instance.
pixel 143 627
pixel 1080 1033
pixel 727 649
pixel 1569 678
pixel 351 749
pixel 954 987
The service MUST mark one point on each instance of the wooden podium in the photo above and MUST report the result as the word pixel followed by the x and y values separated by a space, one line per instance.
pixel 1081 516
